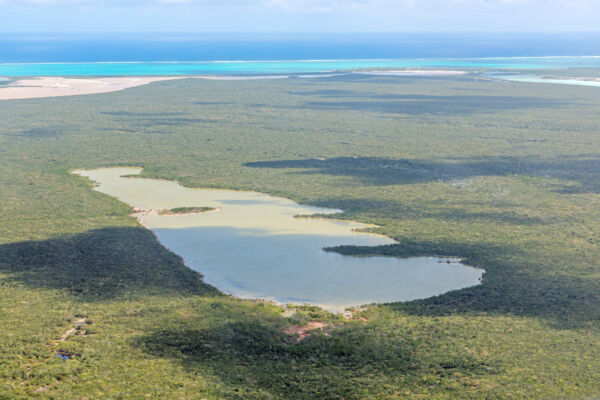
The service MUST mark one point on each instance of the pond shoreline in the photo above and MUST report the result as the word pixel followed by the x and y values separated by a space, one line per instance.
pixel 252 246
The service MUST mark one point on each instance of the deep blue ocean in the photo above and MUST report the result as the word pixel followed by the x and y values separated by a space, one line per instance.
pixel 179 54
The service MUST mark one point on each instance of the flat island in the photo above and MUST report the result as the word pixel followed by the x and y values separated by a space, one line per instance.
pixel 185 210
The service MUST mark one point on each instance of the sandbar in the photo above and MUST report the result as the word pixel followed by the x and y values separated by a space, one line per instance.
pixel 38 87
pixel 534 78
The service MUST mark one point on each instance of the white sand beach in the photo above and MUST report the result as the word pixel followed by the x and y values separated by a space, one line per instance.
pixel 59 86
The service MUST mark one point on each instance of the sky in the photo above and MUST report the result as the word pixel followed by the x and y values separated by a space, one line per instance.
pixel 299 16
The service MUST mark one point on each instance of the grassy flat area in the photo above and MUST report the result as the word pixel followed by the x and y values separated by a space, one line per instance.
pixel 506 175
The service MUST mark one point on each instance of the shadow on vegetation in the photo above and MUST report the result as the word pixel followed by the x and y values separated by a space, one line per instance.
pixel 255 356
pixel 383 79
pixel 211 103
pixel 101 264
pixel 499 217
pixel 152 122
pixel 45 132
pixel 250 353
pixel 468 105
pixel 462 212
pixel 515 283
pixel 419 104
pixel 109 263
pixel 584 169
pixel 334 93
pixel 126 130
pixel 151 119
pixel 141 114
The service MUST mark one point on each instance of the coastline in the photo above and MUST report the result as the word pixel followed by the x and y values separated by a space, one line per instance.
pixel 59 86
pixel 41 87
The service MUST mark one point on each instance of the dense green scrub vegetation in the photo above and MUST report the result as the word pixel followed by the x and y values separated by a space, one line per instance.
pixel 505 175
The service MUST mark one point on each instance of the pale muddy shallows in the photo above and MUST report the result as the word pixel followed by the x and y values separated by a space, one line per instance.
pixel 254 246
pixel 533 78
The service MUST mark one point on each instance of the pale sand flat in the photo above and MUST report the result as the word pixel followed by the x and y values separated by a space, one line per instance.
pixel 304 331
pixel 58 86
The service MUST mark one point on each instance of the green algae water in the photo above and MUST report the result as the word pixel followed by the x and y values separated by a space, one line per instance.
pixel 254 246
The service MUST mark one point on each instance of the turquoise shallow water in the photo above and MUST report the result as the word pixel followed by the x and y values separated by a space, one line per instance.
pixel 283 67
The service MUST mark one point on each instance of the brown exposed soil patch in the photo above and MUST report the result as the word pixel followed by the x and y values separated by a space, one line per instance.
pixel 304 331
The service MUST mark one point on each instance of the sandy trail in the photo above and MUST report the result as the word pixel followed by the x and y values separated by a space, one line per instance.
pixel 71 330
pixel 31 88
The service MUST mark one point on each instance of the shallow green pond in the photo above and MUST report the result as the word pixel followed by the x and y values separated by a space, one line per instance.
pixel 254 246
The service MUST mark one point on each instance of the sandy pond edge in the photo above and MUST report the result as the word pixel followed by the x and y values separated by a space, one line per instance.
pixel 139 214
